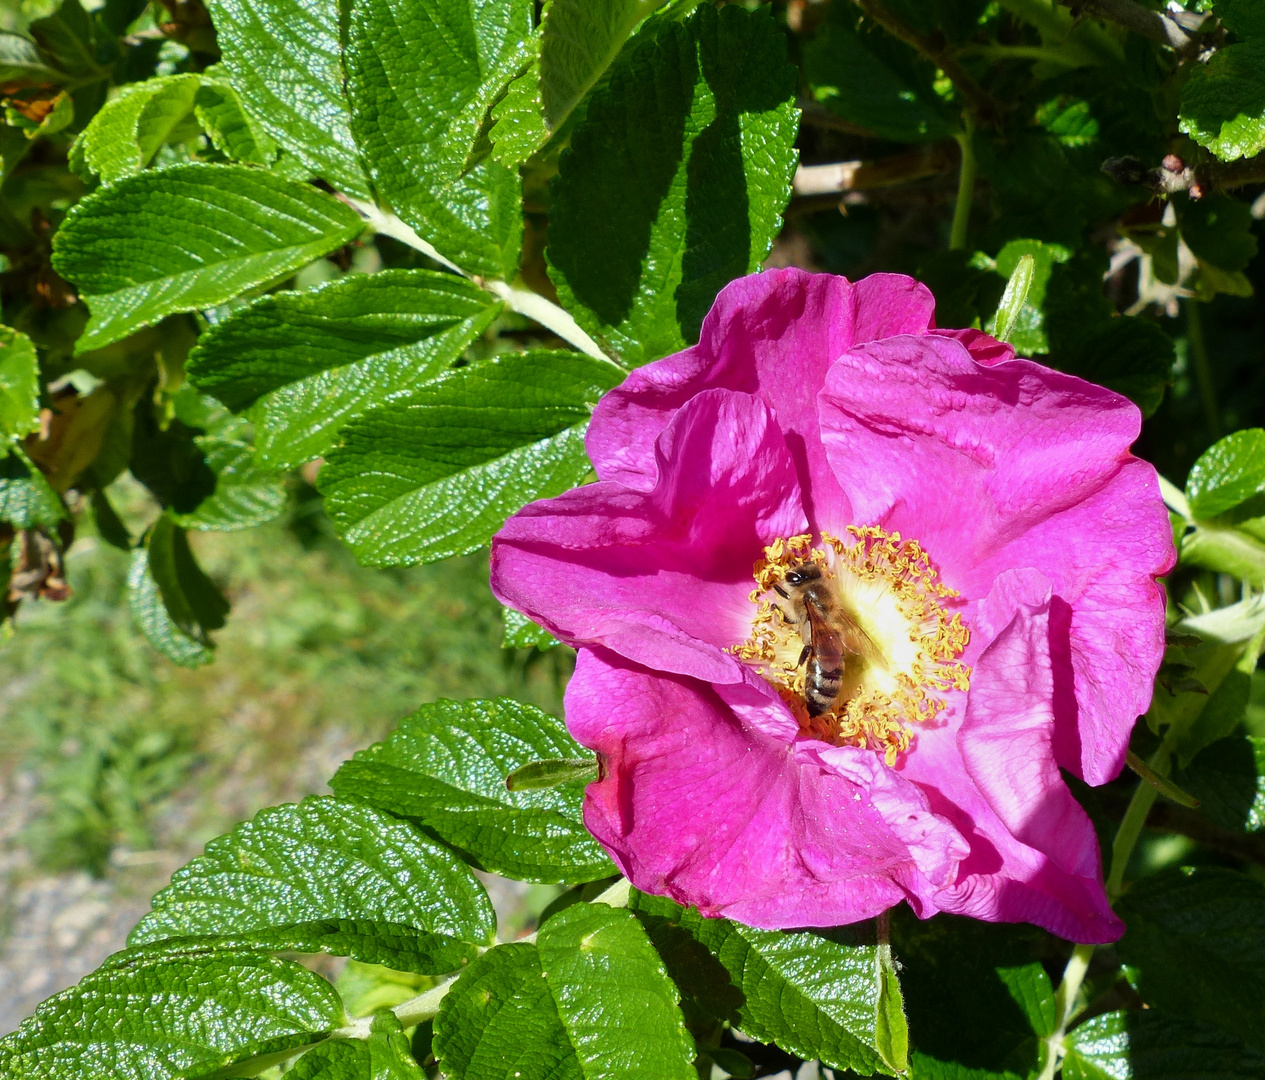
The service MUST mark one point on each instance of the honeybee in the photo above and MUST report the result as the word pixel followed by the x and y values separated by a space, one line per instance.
pixel 830 636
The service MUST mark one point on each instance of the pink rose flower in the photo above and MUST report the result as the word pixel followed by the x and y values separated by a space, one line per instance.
pixel 848 593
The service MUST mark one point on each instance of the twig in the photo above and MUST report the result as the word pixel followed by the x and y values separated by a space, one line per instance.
pixel 932 159
pixel 817 115
pixel 1179 31
pixel 933 46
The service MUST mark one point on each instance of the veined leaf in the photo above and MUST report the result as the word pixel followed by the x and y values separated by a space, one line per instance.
pixel 522 633
pixel 124 136
pixel 438 473
pixel 1228 473
pixel 244 496
pixel 230 127
pixel 311 361
pixel 518 125
pixel 1151 1046
pixel 329 876
pixel 813 996
pixel 390 1057
pixel 190 237
pixel 445 767
pixel 579 41
pixel 19 385
pixel 667 196
pixel 1223 102
pixel 152 1015
pixel 1197 937
pixel 26 498
pixel 173 601
pixel 418 122
pixel 591 1001
pixel 284 59
pixel 336 1059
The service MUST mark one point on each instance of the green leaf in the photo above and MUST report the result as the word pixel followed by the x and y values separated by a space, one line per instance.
pixel 552 772
pixel 337 1059
pixel 1242 17
pixel 245 495
pixel 190 237
pixel 518 126
pixel 590 1001
pixel 579 41
pixel 154 1015
pixel 389 1055
pixel 314 360
pixel 591 953
pixel 499 1022
pixel 232 130
pixel 126 134
pixel 1223 102
pixel 667 196
pixel 445 767
pixel 1128 354
pixel 1150 1046
pixel 1218 230
pixel 173 601
pixel 417 123
pixel 437 474
pixel 1197 937
pixel 1228 473
pixel 996 1030
pixel 1228 779
pixel 1224 708
pixel 895 102
pixel 19 385
pixel 21 62
pixel 816 994
pixel 284 59
pixel 26 499
pixel 1012 300
pixel 329 876
pixel 891 1029
pixel 69 37
pixel 522 633
pixel 1027 332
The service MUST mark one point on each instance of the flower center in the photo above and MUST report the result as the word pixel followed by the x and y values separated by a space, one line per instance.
pixel 855 637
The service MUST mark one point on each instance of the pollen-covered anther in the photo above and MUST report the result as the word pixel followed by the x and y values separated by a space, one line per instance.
pixel 875 600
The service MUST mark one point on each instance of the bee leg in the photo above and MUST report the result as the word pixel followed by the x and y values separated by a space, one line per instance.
pixel 803 656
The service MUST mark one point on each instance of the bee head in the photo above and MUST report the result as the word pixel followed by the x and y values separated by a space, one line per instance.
pixel 801 575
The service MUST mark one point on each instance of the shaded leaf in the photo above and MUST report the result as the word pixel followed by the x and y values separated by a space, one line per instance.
pixel 19 385
pixel 1223 102
pixel 666 197
pixel 1150 1046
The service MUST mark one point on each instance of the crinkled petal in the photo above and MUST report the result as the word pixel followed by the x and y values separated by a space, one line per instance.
pixel 1012 465
pixel 697 806
pixel 1034 855
pixel 774 335
pixel 661 576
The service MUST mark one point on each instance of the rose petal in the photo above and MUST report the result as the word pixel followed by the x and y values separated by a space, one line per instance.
pixel 661 576
pixel 1034 855
pixel 695 806
pixel 773 335
pixel 924 439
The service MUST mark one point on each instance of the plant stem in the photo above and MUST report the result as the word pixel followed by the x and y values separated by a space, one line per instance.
pixel 966 186
pixel 1121 852
pixel 516 298
pixel 1203 367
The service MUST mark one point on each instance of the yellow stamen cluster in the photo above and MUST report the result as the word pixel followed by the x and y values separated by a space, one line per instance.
pixel 888 591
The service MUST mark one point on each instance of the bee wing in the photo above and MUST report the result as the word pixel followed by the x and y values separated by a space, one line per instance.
pixel 856 640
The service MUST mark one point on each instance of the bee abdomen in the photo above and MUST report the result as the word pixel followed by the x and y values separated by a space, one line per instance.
pixel 821 686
